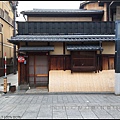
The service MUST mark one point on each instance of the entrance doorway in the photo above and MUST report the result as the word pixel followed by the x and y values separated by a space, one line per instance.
pixel 38 71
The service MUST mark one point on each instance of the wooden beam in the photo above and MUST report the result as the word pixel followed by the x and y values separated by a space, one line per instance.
pixel 19 73
pixel 64 56
pixel 41 75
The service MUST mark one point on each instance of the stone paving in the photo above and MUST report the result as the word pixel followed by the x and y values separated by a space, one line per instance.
pixel 35 104
pixel 59 106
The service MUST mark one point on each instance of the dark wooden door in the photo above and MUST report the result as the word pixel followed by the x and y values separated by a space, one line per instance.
pixel 111 63
pixel 108 63
pixel 38 71
pixel 105 63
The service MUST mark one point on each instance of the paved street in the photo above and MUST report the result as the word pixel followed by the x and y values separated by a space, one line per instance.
pixel 44 105
pixel 60 106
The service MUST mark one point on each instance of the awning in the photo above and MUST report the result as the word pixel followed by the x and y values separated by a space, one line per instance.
pixel 61 38
pixel 79 48
pixel 36 49
pixel 61 11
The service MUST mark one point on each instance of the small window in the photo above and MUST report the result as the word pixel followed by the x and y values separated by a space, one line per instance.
pixel 6 15
pixel 1 27
pixel 1 13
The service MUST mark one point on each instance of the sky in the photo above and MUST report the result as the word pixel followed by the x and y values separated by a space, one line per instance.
pixel 29 5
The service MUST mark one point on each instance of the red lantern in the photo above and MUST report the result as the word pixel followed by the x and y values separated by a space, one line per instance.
pixel 21 59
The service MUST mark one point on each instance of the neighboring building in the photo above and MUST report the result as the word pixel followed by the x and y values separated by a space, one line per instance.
pixel 6 31
pixel 66 50
pixel 111 9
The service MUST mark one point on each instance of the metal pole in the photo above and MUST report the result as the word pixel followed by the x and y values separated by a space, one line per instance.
pixel 14 34
pixel 2 64
pixel 117 57
pixel 109 10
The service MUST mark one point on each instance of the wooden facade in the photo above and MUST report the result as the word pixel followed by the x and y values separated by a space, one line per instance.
pixel 66 55
pixel 66 27
pixel 39 64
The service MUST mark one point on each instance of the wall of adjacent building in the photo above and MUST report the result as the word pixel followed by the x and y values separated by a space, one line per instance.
pixel 5 5
pixel 95 6
pixel 7 31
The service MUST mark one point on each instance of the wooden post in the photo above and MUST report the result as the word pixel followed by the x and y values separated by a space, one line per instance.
pixel 19 73
pixel 5 65
pixel 5 78
pixel 64 63
pixel 5 85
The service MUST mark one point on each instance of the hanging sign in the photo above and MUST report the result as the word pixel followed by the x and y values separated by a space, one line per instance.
pixel 21 59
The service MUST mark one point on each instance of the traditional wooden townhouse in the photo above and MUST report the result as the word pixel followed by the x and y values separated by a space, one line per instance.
pixel 66 50
pixel 6 31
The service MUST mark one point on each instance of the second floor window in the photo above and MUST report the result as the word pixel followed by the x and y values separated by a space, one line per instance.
pixel 6 15
pixel 0 27
pixel 1 13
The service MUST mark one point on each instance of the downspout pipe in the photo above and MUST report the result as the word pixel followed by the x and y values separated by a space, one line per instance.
pixel 109 10
pixel 14 34
pixel 100 44
pixel 2 49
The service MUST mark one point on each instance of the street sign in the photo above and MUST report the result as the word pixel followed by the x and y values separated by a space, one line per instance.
pixel 21 59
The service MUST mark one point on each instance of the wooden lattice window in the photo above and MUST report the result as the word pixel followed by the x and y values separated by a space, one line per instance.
pixel 83 61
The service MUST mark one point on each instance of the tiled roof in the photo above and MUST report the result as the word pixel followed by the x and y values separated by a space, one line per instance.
pixel 79 47
pixel 61 11
pixel 60 38
pixel 40 48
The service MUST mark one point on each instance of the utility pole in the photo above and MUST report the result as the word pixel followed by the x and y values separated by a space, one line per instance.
pixel 14 4
pixel 117 57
